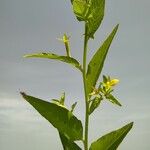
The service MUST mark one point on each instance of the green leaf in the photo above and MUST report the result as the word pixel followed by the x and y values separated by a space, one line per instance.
pixel 65 59
pixel 111 140
pixel 90 11
pixel 95 103
pixel 62 99
pixel 96 64
pixel 73 106
pixel 96 14
pixel 67 144
pixel 113 100
pixel 71 1
pixel 58 117
pixel 105 79
pixel 81 9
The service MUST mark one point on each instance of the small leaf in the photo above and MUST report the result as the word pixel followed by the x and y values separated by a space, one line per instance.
pixel 70 113
pixel 62 99
pixel 112 140
pixel 95 103
pixel 58 117
pixel 80 8
pixel 67 144
pixel 105 79
pixel 73 106
pixel 56 101
pixel 91 11
pixel 96 14
pixel 113 100
pixel 96 64
pixel 65 59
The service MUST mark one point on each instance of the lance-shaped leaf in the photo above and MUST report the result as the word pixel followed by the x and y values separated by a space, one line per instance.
pixel 68 144
pixel 96 64
pixel 96 14
pixel 58 117
pixel 94 104
pixel 113 100
pixel 111 140
pixel 65 59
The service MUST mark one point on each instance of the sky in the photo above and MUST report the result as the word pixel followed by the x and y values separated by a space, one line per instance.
pixel 34 26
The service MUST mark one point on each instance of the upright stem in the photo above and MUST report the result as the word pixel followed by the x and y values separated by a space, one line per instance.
pixel 85 90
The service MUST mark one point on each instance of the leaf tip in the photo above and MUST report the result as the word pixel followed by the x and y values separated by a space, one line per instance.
pixel 117 25
pixel 116 28
pixel 131 124
pixel 23 95
pixel 119 104
pixel 25 56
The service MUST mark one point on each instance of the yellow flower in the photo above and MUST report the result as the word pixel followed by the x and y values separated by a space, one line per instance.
pixel 112 82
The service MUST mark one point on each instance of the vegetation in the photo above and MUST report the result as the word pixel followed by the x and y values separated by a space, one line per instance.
pixel 70 129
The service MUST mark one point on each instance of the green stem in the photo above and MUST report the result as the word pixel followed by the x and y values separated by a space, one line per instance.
pixel 85 90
